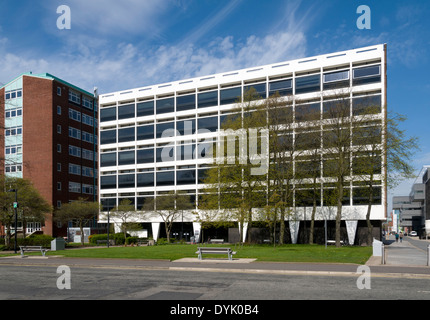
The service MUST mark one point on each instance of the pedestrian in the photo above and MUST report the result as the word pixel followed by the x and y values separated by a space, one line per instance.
pixel 401 236
pixel 397 237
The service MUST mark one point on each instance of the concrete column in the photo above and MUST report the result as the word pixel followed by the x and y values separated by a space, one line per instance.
pixel 155 230
pixel 197 227
pixel 294 230
pixel 351 228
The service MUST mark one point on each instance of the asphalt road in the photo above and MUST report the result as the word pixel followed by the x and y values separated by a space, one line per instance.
pixel 113 283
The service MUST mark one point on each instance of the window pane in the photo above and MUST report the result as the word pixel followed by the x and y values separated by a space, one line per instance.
pixel 145 109
pixel 125 112
pixel 126 181
pixel 165 154
pixel 145 132
pixel 108 182
pixel 126 134
pixel 166 178
pixel 165 105
pixel 229 96
pixel 186 152
pixel 308 84
pixel 145 156
pixel 260 90
pixel 145 180
pixel 107 114
pixel 186 127
pixel 308 112
pixel 208 99
pixel 210 124
pixel 336 76
pixel 366 105
pixel 126 157
pixel 283 87
pixel 165 130
pixel 367 75
pixel 186 102
pixel 108 136
pixel 185 177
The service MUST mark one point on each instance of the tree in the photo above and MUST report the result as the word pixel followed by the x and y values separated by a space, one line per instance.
pixel 79 211
pixel 236 184
pixel 31 206
pixel 124 212
pixel 169 208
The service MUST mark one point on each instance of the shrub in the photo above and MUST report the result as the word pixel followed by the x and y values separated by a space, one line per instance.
pixel 131 240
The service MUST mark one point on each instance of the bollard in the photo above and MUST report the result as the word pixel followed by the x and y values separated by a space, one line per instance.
pixel 428 255
pixel 382 254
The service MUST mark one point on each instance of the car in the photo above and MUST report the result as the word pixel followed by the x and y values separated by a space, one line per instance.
pixel 413 234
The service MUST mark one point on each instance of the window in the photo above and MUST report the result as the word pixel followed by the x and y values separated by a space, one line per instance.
pixel 308 84
pixel 260 90
pixel 165 178
pixel 17 149
pixel 308 112
pixel 165 105
pixel 88 120
pixel 75 151
pixel 108 159
pixel 186 102
pixel 126 111
pixel 14 131
pixel 108 182
pixel 185 177
pixel 74 187
pixel 87 102
pixel 87 137
pixel 13 113
pixel 360 196
pixel 145 180
pixel 107 114
pixel 208 99
pixel 74 169
pixel 59 110
pixel 74 97
pixel 186 127
pixel 338 79
pixel 74 133
pixel 165 154
pixel 366 75
pixel 126 181
pixel 74 115
pixel 165 130
pixel 13 94
pixel 59 186
pixel 88 172
pixel 186 152
pixel 87 189
pixel 210 124
pixel 145 132
pixel 145 156
pixel 59 91
pixel 126 134
pixel 283 87
pixel 108 136
pixel 229 96
pixel 366 105
pixel 126 158
pixel 88 154
pixel 145 109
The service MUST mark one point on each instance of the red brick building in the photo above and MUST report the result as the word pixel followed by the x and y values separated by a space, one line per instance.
pixel 50 138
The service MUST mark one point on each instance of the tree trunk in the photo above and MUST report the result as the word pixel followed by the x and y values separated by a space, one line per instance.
pixel 339 210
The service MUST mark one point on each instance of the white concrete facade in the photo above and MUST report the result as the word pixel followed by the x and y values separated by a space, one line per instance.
pixel 123 174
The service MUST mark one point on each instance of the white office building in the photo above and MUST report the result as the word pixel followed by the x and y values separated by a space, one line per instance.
pixel 155 139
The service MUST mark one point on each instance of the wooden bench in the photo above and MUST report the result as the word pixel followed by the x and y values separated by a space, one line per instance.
pixel 33 249
pixel 212 250
pixel 216 241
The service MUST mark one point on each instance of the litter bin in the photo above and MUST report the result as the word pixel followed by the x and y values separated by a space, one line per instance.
pixel 58 244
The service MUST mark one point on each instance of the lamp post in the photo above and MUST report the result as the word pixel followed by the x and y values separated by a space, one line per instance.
pixel 15 206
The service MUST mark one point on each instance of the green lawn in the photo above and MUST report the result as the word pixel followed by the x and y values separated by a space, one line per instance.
pixel 285 253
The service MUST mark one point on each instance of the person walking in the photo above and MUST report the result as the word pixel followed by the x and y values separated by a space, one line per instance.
pixel 397 237
pixel 401 236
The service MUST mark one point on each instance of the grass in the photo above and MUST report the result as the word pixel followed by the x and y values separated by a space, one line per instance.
pixel 284 253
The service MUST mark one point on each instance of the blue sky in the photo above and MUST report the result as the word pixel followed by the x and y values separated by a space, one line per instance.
pixel 118 45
